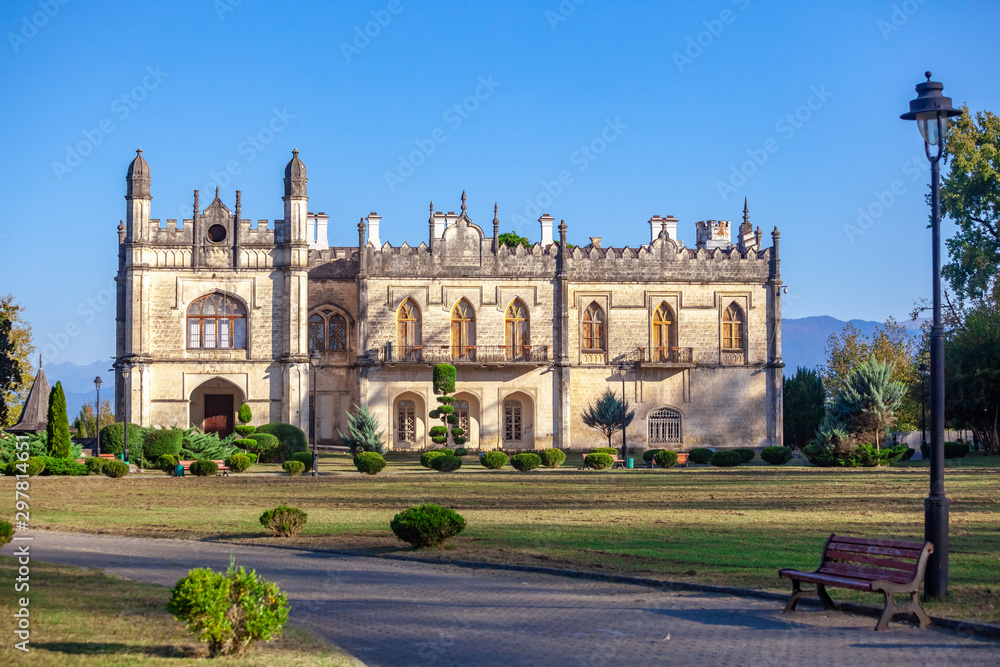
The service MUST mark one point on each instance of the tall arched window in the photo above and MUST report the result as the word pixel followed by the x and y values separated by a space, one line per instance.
pixel 663 333
pixel 594 334
pixel 512 422
pixel 516 330
pixel 463 331
pixel 317 332
pixel 408 330
pixel 327 331
pixel 406 422
pixel 462 415
pixel 664 426
pixel 216 321
pixel 733 329
pixel 338 332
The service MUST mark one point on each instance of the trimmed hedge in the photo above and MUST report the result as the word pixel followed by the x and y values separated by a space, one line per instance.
pixel 955 450
pixel 727 458
pixel 62 467
pixel 284 520
pixel 552 458
pixel 443 378
pixel 115 468
pixel 700 455
pixel 427 457
pixel 239 462
pixel 461 451
pixel 204 468
pixel 493 460
pixel 293 467
pixel 113 438
pixel 746 454
pixel 665 458
pixel 292 438
pixel 95 464
pixel 427 525
pixel 160 442
pixel 305 458
pixel 370 463
pixel 168 463
pixel 446 463
pixel 525 461
pixel 613 451
pixel 648 455
pixel 598 461
pixel 265 445
pixel 777 455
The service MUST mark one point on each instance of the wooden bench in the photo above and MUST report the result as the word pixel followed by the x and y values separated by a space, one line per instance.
pixel 223 468
pixel 890 567
pixel 682 460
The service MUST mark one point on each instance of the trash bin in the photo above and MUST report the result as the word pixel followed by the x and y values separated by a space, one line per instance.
pixel 178 470
pixel 631 463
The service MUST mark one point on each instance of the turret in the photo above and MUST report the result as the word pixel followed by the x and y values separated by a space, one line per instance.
pixel 296 201
pixel 137 195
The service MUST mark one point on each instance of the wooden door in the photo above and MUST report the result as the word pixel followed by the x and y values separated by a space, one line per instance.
pixel 218 414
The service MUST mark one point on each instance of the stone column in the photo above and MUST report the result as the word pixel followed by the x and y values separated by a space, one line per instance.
pixel 775 366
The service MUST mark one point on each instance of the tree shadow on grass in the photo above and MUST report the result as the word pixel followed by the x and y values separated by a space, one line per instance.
pixel 110 648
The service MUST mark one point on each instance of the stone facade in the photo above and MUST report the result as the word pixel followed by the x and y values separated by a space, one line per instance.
pixel 537 334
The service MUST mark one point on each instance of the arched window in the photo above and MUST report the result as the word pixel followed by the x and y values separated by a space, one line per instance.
pixel 512 422
pixel 733 329
pixel 663 333
pixel 516 330
pixel 406 420
pixel 462 415
pixel 664 426
pixel 408 330
pixel 594 334
pixel 327 331
pixel 216 321
pixel 463 331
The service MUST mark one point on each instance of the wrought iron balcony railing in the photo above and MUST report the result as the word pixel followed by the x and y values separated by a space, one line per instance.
pixel 664 355
pixel 478 354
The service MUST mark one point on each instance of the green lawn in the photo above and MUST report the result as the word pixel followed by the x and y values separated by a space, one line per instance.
pixel 81 617
pixel 722 526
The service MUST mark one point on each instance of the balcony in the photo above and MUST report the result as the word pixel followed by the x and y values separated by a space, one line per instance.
pixel 670 357
pixel 468 354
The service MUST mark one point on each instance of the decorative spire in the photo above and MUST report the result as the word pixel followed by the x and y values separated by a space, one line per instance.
pixel 746 212
pixel 496 218
pixel 463 202
pixel 216 191
pixel 40 354
pixel 663 226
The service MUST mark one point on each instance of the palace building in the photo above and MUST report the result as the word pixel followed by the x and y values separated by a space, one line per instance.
pixel 216 311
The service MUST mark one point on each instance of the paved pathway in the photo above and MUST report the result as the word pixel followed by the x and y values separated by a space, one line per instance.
pixel 389 612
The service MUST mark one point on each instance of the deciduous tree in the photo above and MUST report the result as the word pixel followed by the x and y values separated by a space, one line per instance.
pixel 16 371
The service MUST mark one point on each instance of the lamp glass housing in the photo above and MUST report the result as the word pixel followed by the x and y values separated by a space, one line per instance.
pixel 929 124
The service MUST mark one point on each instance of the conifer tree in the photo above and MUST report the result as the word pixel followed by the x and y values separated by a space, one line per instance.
pixel 362 432
pixel 606 414
pixel 57 424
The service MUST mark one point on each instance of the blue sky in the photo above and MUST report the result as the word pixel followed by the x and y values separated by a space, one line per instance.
pixel 643 108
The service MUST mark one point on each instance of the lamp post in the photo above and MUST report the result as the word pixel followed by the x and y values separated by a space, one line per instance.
pixel 623 368
pixel 97 383
pixel 126 371
pixel 931 110
pixel 314 360
pixel 923 408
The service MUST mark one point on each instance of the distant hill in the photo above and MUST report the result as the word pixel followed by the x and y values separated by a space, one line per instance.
pixel 803 340
pixel 78 383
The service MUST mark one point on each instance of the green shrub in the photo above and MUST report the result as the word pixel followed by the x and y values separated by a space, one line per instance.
pixel 426 525
pixel 437 431
pixel 443 378
pixel 552 458
pixel 493 460
pixel 167 463
pixel 363 434
pixel 6 533
pixel 613 451
pixel 525 461
pixel 598 461
pixel 776 456
pixel 239 462
pixel 244 430
pixel 292 438
pixel 700 455
pixel 284 520
pixel 187 455
pixel 746 454
pixel 293 467
pixel 115 468
pixel 460 440
pixel 204 468
pixel 305 458
pixel 266 446
pixel 861 456
pixel 95 464
pixel 57 424
pixel 370 463
pixel 648 455
pixel 245 415
pixel 33 466
pixel 446 463
pixel 727 458
pixel 229 611
pixel 955 450
pixel 665 458
pixel 113 438
pixel 62 467
pixel 428 456
pixel 461 451
pixel 159 442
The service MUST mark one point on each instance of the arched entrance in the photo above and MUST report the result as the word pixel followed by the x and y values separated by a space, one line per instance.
pixel 214 404
pixel 408 415
pixel 467 411
pixel 517 421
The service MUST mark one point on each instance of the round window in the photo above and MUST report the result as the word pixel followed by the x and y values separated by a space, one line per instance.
pixel 217 233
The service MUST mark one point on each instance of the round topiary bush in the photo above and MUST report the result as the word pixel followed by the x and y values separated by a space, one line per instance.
pixel 446 463
pixel 95 465
pixel 284 520
pixel 955 450
pixel 525 461
pixel 291 438
pixel 370 463
pixel 746 454
pixel 648 455
pixel 115 468
pixel 461 451
pixel 776 455
pixel 493 460
pixel 204 468
pixel 427 525
pixel 427 457
pixel 700 455
pixel 665 458
pixel 552 458
pixel 443 378
pixel 613 451
pixel 305 458
pixel 293 467
pixel 726 458
pixel 598 461
pixel 239 462
pixel 159 442
pixel 266 446
pixel 113 438
pixel 167 463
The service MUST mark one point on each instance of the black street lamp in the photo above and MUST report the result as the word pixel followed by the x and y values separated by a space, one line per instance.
pixel 931 110
pixel 126 371
pixel 97 383
pixel 314 360
pixel 923 409
pixel 623 368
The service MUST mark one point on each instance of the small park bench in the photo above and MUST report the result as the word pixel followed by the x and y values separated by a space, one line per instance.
pixel 890 567
pixel 682 460
pixel 223 468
